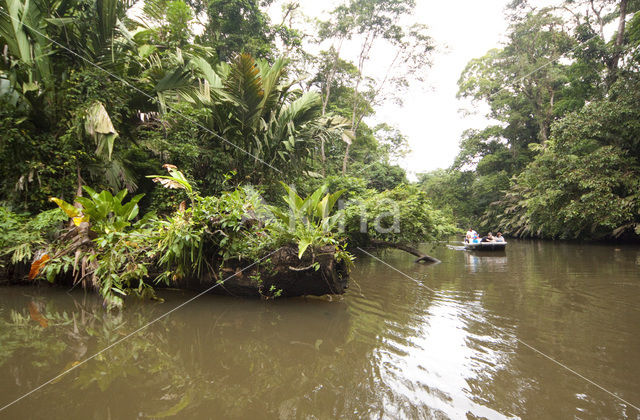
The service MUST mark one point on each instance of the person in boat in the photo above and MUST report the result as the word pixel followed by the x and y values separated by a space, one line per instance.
pixel 499 237
pixel 488 238
pixel 471 234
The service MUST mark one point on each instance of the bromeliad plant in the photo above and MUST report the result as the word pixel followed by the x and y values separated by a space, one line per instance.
pixel 104 211
pixel 116 255
pixel 309 222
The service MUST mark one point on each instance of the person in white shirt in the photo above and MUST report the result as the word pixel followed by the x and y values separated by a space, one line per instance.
pixel 470 235
pixel 499 237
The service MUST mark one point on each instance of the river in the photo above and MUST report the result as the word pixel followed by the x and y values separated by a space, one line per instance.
pixel 526 333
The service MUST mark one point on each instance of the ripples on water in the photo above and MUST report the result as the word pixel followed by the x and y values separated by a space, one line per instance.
pixel 387 349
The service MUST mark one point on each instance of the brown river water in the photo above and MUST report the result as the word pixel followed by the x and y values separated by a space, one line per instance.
pixel 449 342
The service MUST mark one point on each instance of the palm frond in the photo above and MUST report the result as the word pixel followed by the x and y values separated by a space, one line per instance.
pixel 244 86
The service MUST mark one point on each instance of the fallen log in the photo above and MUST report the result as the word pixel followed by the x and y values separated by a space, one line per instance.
pixel 281 275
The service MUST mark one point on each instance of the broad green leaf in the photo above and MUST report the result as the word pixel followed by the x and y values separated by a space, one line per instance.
pixel 321 209
pixel 86 203
pixel 133 213
pixel 92 193
pixel 60 21
pixel 121 195
pixel 302 247
pixel 333 198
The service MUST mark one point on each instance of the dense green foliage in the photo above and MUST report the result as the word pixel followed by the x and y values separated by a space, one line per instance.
pixel 22 235
pixel 398 216
pixel 563 160
pixel 586 181
pixel 308 221
pixel 123 257
pixel 101 93
pixel 120 256
pixel 105 94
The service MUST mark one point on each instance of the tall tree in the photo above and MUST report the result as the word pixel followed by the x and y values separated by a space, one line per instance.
pixel 372 23
pixel 334 75
pixel 563 95
pixel 236 26
pixel 523 80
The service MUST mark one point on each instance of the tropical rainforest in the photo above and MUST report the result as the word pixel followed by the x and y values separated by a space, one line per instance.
pixel 561 156
pixel 148 142
pixel 144 143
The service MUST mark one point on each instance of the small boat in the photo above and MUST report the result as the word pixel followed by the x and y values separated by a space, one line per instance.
pixel 485 246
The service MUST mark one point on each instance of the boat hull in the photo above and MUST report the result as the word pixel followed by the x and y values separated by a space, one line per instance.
pixel 486 246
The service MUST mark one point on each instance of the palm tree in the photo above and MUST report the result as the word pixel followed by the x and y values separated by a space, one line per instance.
pixel 27 64
pixel 254 107
pixel 268 128
pixel 46 41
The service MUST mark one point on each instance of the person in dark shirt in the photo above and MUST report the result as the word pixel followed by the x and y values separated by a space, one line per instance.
pixel 488 238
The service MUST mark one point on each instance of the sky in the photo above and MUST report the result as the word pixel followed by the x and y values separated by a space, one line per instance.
pixel 430 116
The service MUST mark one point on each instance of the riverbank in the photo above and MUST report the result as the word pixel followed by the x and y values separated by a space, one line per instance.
pixel 282 274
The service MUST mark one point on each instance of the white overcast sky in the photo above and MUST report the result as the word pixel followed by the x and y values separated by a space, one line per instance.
pixel 430 116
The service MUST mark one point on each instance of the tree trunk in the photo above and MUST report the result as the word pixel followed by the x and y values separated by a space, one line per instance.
pixel 80 184
pixel 325 100
pixel 619 40
pixel 364 53
pixel 283 274
pixel 346 158
pixel 598 14
pixel 323 157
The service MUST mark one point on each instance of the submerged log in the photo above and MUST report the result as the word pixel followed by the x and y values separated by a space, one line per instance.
pixel 283 274
pixel 422 257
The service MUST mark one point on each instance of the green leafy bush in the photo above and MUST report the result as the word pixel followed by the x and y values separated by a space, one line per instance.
pixel 308 222
pixel 106 211
pixel 121 252
pixel 401 215
pixel 585 181
pixel 23 234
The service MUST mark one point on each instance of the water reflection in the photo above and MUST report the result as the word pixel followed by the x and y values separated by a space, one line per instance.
pixel 486 261
pixel 206 359
pixel 445 365
pixel 388 349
